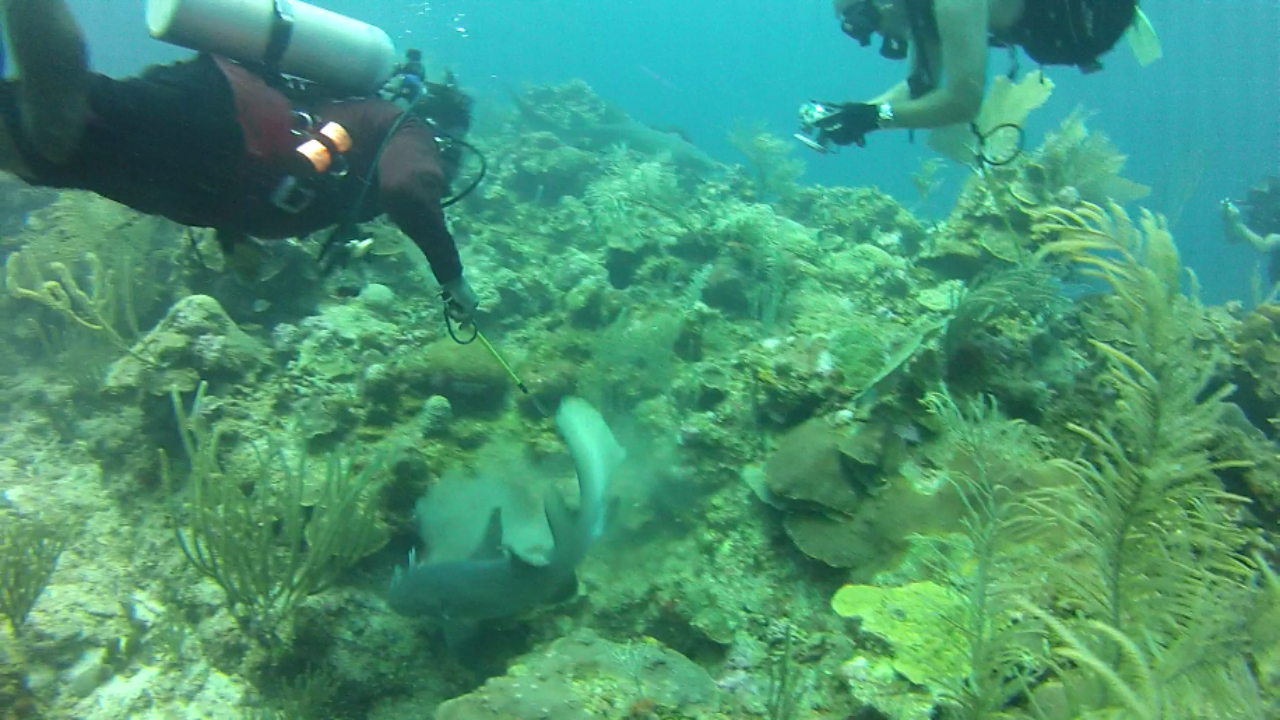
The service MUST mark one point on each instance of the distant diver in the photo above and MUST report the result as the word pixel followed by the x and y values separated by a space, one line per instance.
pixel 243 145
pixel 1258 224
pixel 947 41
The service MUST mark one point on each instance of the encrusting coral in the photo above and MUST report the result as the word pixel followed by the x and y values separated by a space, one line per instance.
pixel 915 623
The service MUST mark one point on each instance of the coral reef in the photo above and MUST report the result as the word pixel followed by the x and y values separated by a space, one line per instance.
pixel 774 172
pixel 925 653
pixel 1000 466
pixel 29 551
pixel 1255 353
pixel 196 340
pixel 1077 163
pixel 583 676
pixel 325 525
pixel 995 215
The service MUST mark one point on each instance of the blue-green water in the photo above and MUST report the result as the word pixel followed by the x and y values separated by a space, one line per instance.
pixel 1206 115
pixel 823 451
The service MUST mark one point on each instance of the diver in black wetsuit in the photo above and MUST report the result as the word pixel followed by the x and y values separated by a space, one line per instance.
pixel 209 143
pixel 947 41
pixel 1259 223
pixel 409 80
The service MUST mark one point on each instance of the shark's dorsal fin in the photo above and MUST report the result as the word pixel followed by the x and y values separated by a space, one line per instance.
pixel 491 546
pixel 559 518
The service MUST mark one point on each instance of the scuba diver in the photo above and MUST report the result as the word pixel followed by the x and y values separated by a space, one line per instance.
pixel 1259 223
pixel 409 80
pixel 219 143
pixel 947 42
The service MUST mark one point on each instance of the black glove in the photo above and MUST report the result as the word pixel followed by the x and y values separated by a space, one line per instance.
pixel 460 300
pixel 849 125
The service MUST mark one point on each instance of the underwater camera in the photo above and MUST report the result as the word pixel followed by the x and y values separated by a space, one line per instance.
pixel 814 137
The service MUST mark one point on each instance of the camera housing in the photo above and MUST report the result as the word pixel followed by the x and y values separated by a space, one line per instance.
pixel 812 114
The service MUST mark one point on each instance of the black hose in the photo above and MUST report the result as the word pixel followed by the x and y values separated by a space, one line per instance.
pixel 475 183
pixel 342 232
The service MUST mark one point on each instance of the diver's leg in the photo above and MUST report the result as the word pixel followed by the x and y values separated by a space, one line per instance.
pixel 53 74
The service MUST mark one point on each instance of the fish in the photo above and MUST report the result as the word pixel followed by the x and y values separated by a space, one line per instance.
pixel 675 130
pixel 659 79
pixel 618 129
pixel 495 582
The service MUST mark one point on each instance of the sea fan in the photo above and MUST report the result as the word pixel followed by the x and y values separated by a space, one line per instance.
pixel 1152 554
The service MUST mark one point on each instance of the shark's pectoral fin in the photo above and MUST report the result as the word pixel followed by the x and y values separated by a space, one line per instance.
pixel 559 518
pixel 567 590
pixel 457 632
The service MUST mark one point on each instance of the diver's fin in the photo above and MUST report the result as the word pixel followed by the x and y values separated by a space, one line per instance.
pixel 1006 103
pixel 954 142
pixel 1143 39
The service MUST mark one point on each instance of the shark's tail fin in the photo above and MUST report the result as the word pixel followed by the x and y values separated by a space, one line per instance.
pixel 596 455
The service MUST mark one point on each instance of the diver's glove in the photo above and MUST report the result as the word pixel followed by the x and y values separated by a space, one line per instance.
pixel 850 124
pixel 460 301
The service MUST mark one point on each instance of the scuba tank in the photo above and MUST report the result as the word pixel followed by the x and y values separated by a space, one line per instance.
pixel 283 36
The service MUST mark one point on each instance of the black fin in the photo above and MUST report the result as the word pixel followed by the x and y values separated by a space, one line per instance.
pixel 567 590
pixel 559 518
pixel 491 546
pixel 458 632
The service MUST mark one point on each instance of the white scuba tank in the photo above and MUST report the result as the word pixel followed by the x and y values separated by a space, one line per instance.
pixel 309 42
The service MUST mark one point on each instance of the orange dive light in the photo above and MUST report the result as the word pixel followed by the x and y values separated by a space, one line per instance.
pixel 320 153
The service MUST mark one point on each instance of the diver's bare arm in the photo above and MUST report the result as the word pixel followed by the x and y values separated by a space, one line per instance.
pixel 962 29
pixel 53 74
pixel 1236 231
pixel 901 92
pixel 895 95
pixel 1264 245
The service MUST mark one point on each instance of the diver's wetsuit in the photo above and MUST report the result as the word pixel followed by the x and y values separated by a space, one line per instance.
pixel 206 142
pixel 1262 216
pixel 1069 32
pixel 1050 32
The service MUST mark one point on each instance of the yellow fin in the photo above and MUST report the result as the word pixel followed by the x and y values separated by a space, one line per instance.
pixel 1006 103
pixel 1143 39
